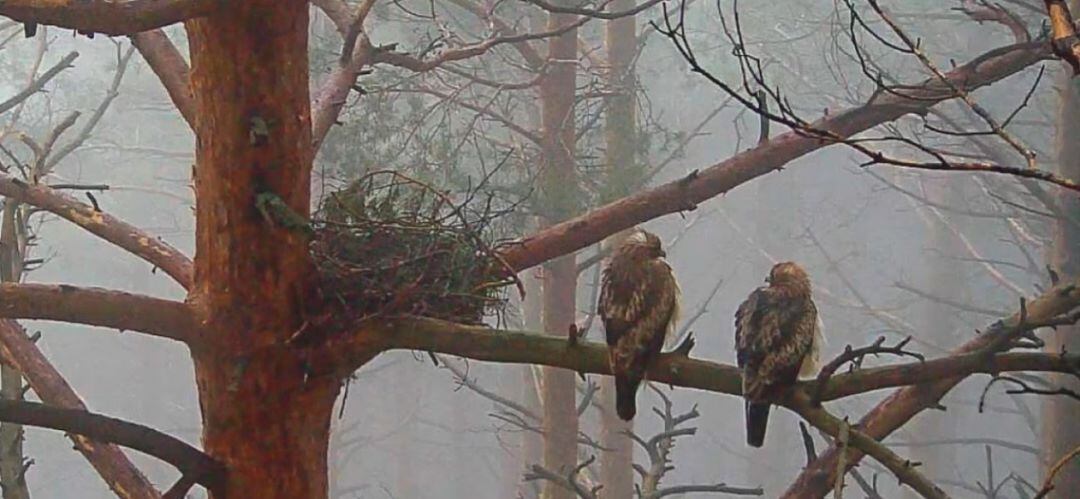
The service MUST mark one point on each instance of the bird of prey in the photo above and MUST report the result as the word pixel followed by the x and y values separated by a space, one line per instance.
pixel 639 304
pixel 777 337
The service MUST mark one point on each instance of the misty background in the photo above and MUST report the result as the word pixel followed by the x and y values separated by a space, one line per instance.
pixel 409 428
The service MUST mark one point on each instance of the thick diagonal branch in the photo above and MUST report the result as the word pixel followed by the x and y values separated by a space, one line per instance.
pixel 19 351
pixel 904 470
pixel 170 67
pixel 98 307
pixel 149 248
pixel 684 194
pixel 890 414
pixel 190 461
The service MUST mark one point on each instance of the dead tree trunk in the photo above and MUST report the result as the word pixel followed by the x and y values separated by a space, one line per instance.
pixel 263 416
pixel 12 462
pixel 623 176
pixel 1060 433
pixel 560 201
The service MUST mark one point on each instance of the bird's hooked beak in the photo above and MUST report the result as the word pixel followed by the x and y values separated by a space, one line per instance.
pixel 662 253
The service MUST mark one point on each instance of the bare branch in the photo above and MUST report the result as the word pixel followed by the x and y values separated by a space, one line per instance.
pixel 903 469
pixel 1048 484
pixel 855 357
pixel 593 13
pixel 110 18
pixel 896 410
pixel 103 225
pixel 686 193
pixel 19 351
pixel 189 460
pixel 170 67
pixel 346 352
pixel 568 482
pixel 98 307
pixel 39 83
pixel 1063 30
pixel 912 373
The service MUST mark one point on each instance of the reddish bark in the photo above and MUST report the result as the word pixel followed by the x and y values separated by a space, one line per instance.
pixel 123 478
pixel 684 194
pixel 264 415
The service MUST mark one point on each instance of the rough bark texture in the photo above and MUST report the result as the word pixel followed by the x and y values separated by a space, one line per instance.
pixel 1060 431
pixel 560 201
pixel 263 415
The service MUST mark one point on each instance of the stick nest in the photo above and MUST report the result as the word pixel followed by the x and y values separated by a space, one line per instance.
pixel 391 245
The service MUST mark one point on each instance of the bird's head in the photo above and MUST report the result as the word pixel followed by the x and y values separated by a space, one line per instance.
pixel 642 244
pixel 789 275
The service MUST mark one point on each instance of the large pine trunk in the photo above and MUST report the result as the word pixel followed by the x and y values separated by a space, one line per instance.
pixel 263 415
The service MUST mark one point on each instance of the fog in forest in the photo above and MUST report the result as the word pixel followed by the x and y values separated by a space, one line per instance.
pixel 892 251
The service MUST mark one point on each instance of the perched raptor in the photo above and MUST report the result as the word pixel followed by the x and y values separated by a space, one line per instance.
pixel 777 336
pixel 639 304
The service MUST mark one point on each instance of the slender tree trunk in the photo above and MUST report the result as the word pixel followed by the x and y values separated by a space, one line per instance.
pixel 262 414
pixel 12 466
pixel 560 199
pixel 623 176
pixel 532 445
pixel 1060 431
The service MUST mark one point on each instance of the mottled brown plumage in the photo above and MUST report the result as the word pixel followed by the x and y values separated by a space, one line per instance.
pixel 639 304
pixel 776 331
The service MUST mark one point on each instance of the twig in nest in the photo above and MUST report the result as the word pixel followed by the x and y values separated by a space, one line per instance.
pixel 855 357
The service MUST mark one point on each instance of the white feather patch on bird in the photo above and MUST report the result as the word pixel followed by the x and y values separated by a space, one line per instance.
pixel 638 236
pixel 812 362
pixel 670 339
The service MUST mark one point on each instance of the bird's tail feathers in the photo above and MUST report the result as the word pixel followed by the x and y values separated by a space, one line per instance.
pixel 757 419
pixel 626 397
